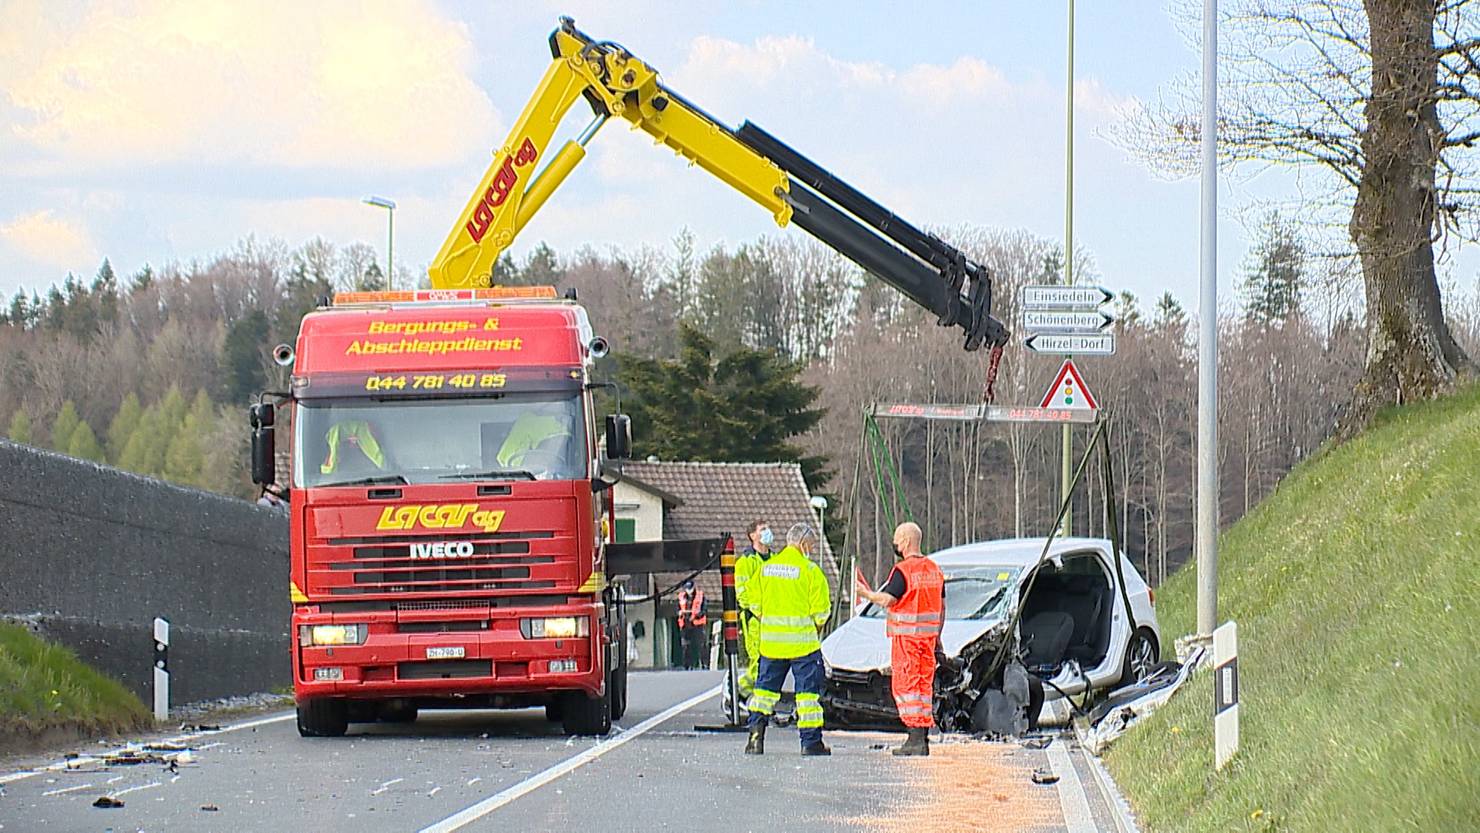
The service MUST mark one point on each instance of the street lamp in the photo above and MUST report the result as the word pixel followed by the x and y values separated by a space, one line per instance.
pixel 819 505
pixel 390 243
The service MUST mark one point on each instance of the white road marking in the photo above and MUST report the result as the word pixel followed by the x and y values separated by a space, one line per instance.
pixel 1073 801
pixel 114 780
pixel 73 763
pixel 68 789
pixel 529 785
pixel 136 789
pixel 387 785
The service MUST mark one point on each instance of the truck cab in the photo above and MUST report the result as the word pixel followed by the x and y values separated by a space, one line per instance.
pixel 449 510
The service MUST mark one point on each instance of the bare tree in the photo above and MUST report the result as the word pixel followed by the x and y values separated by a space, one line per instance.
pixel 1383 96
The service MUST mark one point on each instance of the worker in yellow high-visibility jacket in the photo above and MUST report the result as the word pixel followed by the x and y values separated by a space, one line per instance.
pixel 791 596
pixel 747 566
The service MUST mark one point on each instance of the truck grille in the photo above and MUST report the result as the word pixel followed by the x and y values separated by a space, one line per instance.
pixel 460 564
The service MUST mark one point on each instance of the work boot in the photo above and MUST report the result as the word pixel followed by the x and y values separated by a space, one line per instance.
pixel 757 743
pixel 818 748
pixel 918 743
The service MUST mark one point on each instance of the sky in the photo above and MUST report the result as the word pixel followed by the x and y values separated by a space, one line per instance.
pixel 154 131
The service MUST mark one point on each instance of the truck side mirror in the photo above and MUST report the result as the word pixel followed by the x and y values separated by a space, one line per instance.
pixel 618 436
pixel 264 451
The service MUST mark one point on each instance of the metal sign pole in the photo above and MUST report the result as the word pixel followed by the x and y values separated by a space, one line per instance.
pixel 1068 437
pixel 1207 359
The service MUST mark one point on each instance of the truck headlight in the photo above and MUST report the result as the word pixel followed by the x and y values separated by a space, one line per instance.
pixel 309 635
pixel 555 627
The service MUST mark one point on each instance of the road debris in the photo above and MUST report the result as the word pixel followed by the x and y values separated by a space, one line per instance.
pixel 107 802
pixel 210 808
pixel 1043 776
pixel 1129 705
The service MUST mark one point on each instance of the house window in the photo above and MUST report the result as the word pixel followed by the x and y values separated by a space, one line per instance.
pixel 626 530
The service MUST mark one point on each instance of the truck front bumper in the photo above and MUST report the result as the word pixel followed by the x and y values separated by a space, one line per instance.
pixel 450 654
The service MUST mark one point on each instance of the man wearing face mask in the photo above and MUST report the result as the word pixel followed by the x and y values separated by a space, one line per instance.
pixel 791 596
pixel 914 599
pixel 746 567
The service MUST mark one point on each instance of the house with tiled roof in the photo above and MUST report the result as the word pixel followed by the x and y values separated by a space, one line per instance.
pixel 674 500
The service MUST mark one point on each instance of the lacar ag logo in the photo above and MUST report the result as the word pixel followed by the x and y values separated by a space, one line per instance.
pixel 499 189
pixel 440 516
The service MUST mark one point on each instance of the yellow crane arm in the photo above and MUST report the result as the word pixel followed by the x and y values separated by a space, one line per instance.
pixel 615 83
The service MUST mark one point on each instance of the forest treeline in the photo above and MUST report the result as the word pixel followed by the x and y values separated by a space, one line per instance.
pixel 152 372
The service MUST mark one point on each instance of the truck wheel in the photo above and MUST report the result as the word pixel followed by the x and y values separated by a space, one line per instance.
pixel 323 718
pixel 555 710
pixel 586 715
pixel 617 686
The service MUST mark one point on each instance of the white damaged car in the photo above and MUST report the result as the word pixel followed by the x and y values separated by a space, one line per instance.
pixel 1020 636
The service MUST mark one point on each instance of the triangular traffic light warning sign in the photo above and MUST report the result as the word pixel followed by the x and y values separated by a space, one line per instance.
pixel 1068 390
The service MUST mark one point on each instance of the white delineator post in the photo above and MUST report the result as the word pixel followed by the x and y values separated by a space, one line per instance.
pixel 1207 353
pixel 161 668
pixel 1225 693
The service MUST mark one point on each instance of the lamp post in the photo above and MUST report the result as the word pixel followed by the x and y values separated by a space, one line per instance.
pixel 819 505
pixel 390 236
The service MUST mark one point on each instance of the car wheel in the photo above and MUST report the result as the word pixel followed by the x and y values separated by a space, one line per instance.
pixel 1141 656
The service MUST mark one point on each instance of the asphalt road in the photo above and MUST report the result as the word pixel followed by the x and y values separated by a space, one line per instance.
pixel 499 771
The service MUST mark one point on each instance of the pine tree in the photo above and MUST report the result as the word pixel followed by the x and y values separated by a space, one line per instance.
pixel 105 292
pixel 184 461
pixel 84 444
pixel 20 427
pixel 745 407
pixel 123 426
pixel 241 357
pixel 62 427
pixel 1275 272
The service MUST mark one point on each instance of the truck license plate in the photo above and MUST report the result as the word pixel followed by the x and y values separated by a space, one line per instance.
pixel 451 652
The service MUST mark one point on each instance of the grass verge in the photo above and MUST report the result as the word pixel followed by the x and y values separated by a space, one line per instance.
pixel 46 691
pixel 1356 588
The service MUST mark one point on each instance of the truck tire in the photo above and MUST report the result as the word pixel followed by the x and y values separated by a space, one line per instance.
pixel 584 715
pixel 617 686
pixel 323 718
pixel 555 710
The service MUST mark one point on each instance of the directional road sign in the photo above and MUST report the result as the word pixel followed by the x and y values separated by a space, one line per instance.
pixel 1038 297
pixel 1077 344
pixel 1066 321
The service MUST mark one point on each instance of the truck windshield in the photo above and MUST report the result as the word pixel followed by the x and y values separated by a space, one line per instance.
pixel 532 436
pixel 970 593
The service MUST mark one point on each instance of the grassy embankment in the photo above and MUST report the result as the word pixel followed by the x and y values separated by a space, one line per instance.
pixel 1356 588
pixel 47 692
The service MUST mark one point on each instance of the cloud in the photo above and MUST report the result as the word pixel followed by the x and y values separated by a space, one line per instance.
pixel 313 85
pixel 46 239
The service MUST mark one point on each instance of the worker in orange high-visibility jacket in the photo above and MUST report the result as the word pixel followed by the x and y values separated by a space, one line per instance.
pixel 914 601
pixel 693 626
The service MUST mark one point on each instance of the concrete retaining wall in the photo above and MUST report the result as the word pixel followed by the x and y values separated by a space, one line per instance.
pixel 92 554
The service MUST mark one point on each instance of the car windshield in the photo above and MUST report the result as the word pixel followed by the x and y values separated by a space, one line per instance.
pixel 527 436
pixel 970 592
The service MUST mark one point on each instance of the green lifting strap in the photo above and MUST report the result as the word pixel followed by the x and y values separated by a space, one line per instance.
pixel 891 494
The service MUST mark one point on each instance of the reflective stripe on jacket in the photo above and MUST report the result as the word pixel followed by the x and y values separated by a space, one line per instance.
pixel 358 431
pixel 791 596
pixel 921 611
pixel 691 609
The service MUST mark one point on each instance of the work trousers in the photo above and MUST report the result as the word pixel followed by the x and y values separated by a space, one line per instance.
pixel 750 630
pixel 912 680
pixel 807 672
pixel 694 640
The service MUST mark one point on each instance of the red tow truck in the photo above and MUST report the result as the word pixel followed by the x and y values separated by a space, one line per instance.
pixel 449 510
